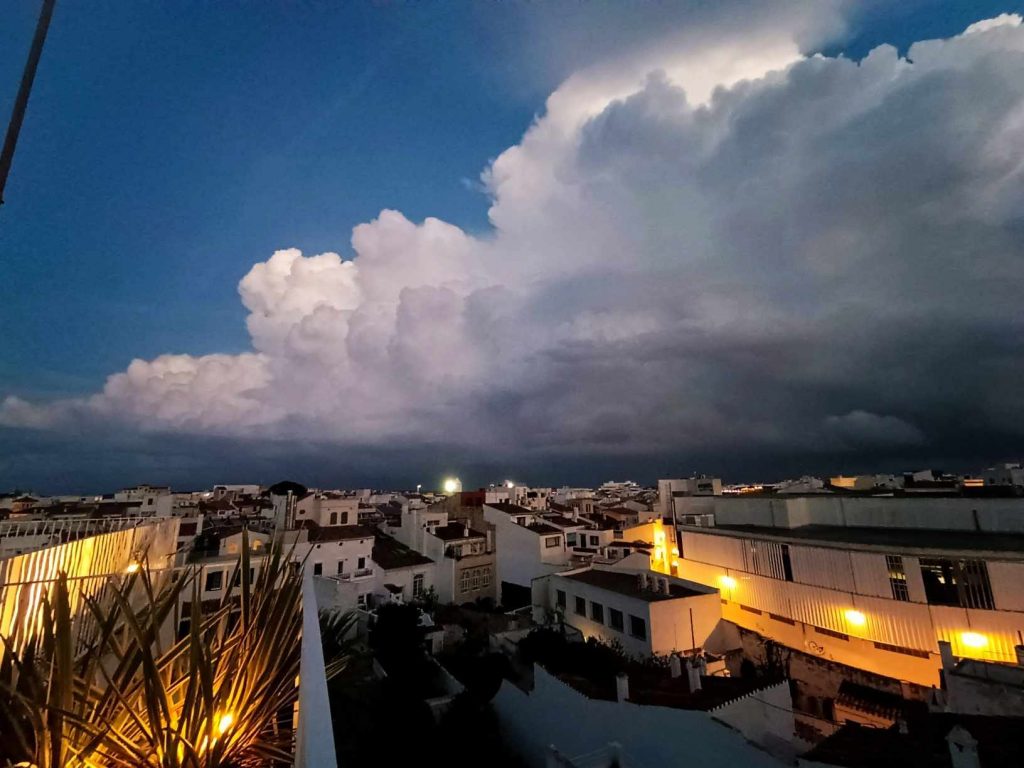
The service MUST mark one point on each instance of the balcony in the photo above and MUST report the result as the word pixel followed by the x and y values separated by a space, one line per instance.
pixel 360 574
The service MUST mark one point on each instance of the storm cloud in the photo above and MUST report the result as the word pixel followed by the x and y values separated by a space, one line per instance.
pixel 704 248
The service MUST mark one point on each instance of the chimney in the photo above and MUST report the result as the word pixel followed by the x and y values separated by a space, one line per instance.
pixel 963 748
pixel 692 676
pixel 622 687
pixel 946 654
pixel 675 665
pixel 465 531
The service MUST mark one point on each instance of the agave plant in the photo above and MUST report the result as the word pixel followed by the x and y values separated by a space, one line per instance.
pixel 114 686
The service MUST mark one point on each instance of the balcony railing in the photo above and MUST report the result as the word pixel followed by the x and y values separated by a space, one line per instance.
pixel 361 573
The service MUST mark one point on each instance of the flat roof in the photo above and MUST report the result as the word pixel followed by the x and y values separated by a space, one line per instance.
pixel 625 583
pixel 892 538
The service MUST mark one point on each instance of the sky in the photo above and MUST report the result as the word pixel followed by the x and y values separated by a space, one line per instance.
pixel 377 243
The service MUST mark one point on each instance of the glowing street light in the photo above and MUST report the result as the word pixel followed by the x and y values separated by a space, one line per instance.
pixel 452 485
pixel 727 581
pixel 132 568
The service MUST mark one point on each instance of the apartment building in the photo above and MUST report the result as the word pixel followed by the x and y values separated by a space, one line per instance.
pixel 527 546
pixel 645 612
pixel 872 583
pixel 465 563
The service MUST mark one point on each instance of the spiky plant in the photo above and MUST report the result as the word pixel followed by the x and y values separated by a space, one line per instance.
pixel 112 687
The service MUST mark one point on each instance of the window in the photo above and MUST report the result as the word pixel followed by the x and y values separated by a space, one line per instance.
pixel 956 582
pixel 615 619
pixel 787 564
pixel 417 585
pixel 570 539
pixel 214 581
pixel 597 612
pixel 551 542
pixel 344 518
pixel 637 627
pixel 318 569
pixel 334 518
pixel 237 581
pixel 581 606
pixel 341 566
pixel 897 577
pixel 361 600
pixel 361 563
pixel 520 521
pixel 594 541
pixel 560 598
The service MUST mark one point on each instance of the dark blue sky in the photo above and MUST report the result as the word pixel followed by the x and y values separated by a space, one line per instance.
pixel 169 146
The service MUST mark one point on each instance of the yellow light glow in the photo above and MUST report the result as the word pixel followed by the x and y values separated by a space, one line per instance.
pixel 973 639
pixel 451 485
pixel 675 551
pixel 509 484
pixel 225 722
pixel 855 618
pixel 727 581
pixel 132 568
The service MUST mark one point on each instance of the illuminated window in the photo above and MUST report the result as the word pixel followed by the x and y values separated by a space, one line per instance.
pixel 637 627
pixel 581 606
pixel 597 612
pixel 560 598
pixel 615 619
pixel 897 577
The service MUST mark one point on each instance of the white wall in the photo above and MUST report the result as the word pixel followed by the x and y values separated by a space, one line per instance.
pixel 555 714
pixel 521 554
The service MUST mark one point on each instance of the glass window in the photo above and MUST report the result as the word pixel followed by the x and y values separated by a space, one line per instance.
pixel 344 518
pixel 334 518
pixel 897 577
pixel 957 582
pixel 553 541
pixel 597 612
pixel 214 581
pixel 594 541
pixel 560 598
pixel 615 619
pixel 637 627
pixel 581 606
pixel 361 563
pixel 318 569
pixel 341 566
pixel 787 564
pixel 570 539
pixel 417 585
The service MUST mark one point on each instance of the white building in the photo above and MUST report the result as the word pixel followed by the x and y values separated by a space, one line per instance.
pixel 526 546
pixel 646 612
pixel 327 509
pixel 873 583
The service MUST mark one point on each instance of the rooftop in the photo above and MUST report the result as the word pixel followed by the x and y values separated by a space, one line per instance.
pixel 390 554
pixel 542 528
pixel 509 508
pixel 456 531
pixel 1000 742
pixel 337 532
pixel 901 538
pixel 625 583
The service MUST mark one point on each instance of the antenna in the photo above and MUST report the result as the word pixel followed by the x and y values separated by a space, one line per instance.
pixel 24 90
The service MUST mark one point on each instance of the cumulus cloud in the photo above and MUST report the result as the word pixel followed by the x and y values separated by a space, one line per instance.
pixel 719 244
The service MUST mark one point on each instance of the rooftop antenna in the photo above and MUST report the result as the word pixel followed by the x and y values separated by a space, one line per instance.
pixel 24 90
